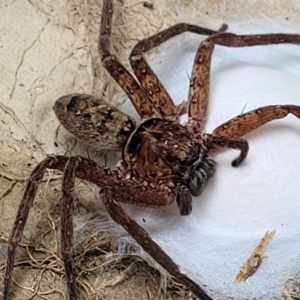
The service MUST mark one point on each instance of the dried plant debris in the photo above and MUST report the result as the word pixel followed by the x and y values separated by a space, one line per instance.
pixel 148 5
pixel 255 259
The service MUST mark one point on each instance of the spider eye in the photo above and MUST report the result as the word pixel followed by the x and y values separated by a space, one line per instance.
pixel 200 174
pixel 192 155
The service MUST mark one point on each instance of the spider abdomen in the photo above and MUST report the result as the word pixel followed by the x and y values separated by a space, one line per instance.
pixel 94 121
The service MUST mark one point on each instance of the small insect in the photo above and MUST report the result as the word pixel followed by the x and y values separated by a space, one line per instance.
pixel 163 161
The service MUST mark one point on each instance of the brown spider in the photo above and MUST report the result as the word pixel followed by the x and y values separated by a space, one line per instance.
pixel 162 160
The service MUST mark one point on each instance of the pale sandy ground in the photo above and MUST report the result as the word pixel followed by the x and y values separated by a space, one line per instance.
pixel 48 49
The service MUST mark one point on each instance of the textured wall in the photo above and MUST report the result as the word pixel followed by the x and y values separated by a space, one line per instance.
pixel 49 48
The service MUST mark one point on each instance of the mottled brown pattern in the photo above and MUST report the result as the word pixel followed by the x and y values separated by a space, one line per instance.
pixel 156 91
pixel 139 234
pixel 162 160
pixel 162 101
pixel 135 93
pixel 251 120
pixel 199 87
pixel 97 123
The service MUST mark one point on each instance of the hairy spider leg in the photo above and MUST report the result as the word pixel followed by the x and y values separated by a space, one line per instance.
pixel 151 95
pixel 113 189
pixel 199 85
pixel 143 238
pixel 118 72
pixel 244 123
pixel 86 169
pixel 159 96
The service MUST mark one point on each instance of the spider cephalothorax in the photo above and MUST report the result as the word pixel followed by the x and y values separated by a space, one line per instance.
pixel 161 148
pixel 162 161
pixel 165 153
